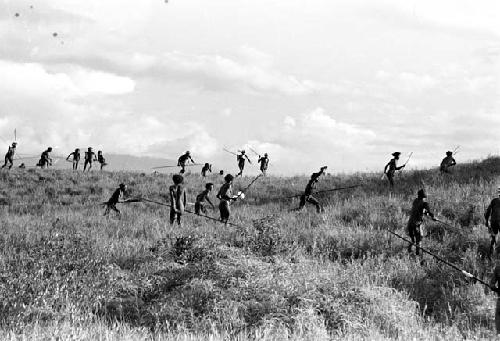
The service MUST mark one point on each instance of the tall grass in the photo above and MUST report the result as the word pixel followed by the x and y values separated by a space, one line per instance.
pixel 66 271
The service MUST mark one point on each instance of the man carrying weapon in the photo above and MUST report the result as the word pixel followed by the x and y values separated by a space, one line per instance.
pixel 447 162
pixel 45 160
pixel 418 209
pixel 310 187
pixel 264 163
pixel 391 167
pixel 76 158
pixel 115 199
pixel 177 199
pixel 9 157
pixel 225 196
pixel 181 162
pixel 241 158
pixel 199 206
pixel 206 168
pixel 492 217
pixel 89 158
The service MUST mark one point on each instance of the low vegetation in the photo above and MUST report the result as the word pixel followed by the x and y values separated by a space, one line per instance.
pixel 67 272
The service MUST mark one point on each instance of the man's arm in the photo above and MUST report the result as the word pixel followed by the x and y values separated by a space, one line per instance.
pixel 210 202
pixel 69 156
pixel 428 211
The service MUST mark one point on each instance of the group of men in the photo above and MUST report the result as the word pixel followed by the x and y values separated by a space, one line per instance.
pixel 89 158
pixel 178 199
pixel 392 166
pixel 46 161
pixel 241 158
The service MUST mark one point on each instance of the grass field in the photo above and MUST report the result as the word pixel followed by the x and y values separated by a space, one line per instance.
pixel 67 272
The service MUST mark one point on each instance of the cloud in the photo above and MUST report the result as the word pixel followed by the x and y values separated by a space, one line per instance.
pixel 85 108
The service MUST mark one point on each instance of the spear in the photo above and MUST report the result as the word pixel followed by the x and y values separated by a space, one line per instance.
pixel 253 150
pixel 318 192
pixel 189 165
pixel 228 151
pixel 465 273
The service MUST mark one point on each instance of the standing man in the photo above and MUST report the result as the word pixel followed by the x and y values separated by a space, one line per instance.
pixel 418 209
pixel 101 159
pixel 447 162
pixel 264 163
pixel 9 157
pixel 199 205
pixel 45 160
pixel 225 196
pixel 310 187
pixel 76 158
pixel 182 161
pixel 241 162
pixel 89 158
pixel 391 167
pixel 115 199
pixel 177 199
pixel 206 168
pixel 492 217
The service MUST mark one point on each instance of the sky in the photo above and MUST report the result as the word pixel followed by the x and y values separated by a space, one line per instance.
pixel 342 83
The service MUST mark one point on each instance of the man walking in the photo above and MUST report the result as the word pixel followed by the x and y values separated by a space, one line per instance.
pixel 183 159
pixel 9 157
pixel 76 158
pixel 447 162
pixel 492 217
pixel 391 167
pixel 264 163
pixel 418 209
pixel 241 158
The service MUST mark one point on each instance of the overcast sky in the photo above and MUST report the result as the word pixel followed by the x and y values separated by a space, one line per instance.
pixel 311 82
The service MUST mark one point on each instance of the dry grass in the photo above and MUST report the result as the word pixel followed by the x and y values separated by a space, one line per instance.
pixel 66 272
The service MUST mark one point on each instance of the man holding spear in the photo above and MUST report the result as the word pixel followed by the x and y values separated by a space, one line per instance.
pixel 183 159
pixel 447 162
pixel 492 217
pixel 391 167
pixel 418 209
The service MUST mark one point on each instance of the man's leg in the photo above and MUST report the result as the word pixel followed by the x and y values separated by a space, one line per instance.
pixel 197 208
pixel 497 316
pixel 315 202
pixel 302 202
pixel 172 216
pixel 411 233
pixel 418 238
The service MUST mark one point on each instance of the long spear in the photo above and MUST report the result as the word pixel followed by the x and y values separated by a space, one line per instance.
pixel 241 193
pixel 317 192
pixel 465 273
pixel 228 151
pixel 191 212
pixel 189 165
pixel 253 150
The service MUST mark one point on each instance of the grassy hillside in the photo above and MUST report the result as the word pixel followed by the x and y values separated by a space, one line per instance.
pixel 66 271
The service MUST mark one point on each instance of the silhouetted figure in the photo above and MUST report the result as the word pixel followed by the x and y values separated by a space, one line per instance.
pixel 242 158
pixel 76 158
pixel 447 162
pixel 183 159
pixel 115 199
pixel 89 158
pixel 206 168
pixel 264 163
pixel 9 157
pixel 308 192
pixel 177 199
pixel 101 159
pixel 418 209
pixel 45 160
pixel 494 285
pixel 492 217
pixel 391 168
pixel 225 196
pixel 199 206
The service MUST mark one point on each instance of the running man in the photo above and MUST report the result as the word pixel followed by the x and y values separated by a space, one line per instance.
pixel 9 157
pixel 183 159
pixel 241 158
pixel 391 167
pixel 264 163
pixel 101 159
pixel 115 199
pixel 199 206
pixel 89 158
pixel 76 158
